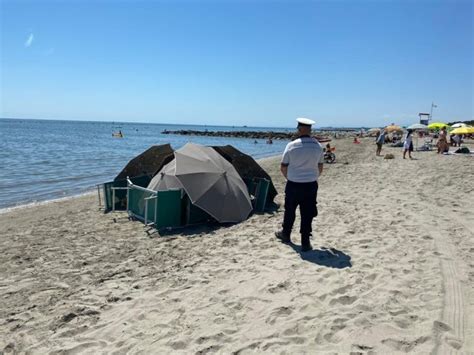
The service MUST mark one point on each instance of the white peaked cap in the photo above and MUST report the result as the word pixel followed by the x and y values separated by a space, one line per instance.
pixel 305 121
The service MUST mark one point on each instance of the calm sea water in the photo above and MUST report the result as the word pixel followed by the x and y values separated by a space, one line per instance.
pixel 42 160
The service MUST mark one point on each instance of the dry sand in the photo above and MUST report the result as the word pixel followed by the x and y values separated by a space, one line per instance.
pixel 392 271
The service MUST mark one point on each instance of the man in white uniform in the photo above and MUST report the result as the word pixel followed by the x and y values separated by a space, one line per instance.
pixel 301 165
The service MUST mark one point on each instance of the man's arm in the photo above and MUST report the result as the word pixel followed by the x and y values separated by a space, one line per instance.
pixel 284 170
pixel 320 168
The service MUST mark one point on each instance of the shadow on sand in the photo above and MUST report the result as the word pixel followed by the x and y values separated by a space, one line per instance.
pixel 328 257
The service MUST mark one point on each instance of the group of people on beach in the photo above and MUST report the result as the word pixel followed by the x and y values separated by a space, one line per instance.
pixel 442 143
pixel 407 143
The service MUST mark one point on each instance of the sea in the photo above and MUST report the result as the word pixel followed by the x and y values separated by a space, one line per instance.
pixel 42 160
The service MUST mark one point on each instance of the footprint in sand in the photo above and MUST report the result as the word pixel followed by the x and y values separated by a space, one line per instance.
pixel 278 313
pixel 344 300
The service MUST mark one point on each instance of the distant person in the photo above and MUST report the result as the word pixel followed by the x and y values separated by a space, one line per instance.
pixel 255 142
pixel 301 165
pixel 356 141
pixel 269 141
pixel 452 142
pixel 442 141
pixel 380 141
pixel 408 144
pixel 458 140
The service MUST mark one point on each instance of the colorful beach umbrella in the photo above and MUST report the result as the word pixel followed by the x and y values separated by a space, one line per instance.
pixel 459 124
pixel 437 125
pixel 462 130
pixel 417 126
pixel 393 128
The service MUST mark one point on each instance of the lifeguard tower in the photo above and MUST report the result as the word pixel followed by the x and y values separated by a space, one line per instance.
pixel 424 118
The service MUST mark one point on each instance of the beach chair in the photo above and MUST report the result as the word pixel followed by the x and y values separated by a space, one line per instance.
pixel 426 146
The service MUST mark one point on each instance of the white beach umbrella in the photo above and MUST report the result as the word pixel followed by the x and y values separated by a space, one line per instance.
pixel 459 124
pixel 166 179
pixel 417 126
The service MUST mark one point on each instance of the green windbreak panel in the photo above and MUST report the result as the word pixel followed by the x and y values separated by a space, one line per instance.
pixel 121 195
pixel 136 203
pixel 261 193
pixel 168 209
pixel 250 185
pixel 193 214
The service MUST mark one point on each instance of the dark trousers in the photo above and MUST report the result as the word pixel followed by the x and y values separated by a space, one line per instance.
pixel 303 195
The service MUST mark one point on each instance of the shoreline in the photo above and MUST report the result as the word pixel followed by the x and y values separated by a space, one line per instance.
pixel 34 204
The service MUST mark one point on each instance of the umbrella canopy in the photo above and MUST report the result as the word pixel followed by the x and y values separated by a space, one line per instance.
pixel 212 183
pixel 393 128
pixel 166 178
pixel 417 126
pixel 372 130
pixel 247 167
pixel 148 162
pixel 459 124
pixel 437 125
pixel 462 130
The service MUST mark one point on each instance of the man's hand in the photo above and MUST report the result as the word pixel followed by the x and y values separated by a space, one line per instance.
pixel 284 170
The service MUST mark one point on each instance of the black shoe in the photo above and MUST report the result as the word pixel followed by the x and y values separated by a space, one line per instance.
pixel 306 247
pixel 284 238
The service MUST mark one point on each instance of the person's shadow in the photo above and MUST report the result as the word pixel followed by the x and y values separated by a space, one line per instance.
pixel 329 257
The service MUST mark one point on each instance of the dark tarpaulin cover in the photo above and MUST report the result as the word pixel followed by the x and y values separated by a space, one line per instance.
pixel 148 163
pixel 246 166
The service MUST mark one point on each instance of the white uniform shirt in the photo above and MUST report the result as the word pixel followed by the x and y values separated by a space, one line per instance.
pixel 302 157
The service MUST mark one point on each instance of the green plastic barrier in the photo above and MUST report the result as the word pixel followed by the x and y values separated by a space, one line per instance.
pixel 168 209
pixel 193 214
pixel 261 192
pixel 258 187
pixel 121 194
pixel 137 203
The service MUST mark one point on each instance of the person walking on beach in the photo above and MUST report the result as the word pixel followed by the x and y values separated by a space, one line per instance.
pixel 301 165
pixel 380 141
pixel 408 144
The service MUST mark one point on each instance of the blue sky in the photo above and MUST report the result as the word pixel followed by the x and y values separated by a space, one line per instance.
pixel 255 63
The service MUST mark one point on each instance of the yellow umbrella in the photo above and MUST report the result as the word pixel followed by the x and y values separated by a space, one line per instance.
pixel 462 130
pixel 393 128
pixel 437 125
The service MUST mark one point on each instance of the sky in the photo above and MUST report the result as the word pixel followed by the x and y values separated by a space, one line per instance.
pixel 255 63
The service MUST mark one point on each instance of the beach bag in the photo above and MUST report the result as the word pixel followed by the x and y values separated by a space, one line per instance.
pixel 463 150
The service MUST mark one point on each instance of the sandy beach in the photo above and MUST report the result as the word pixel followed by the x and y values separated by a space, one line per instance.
pixel 392 271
